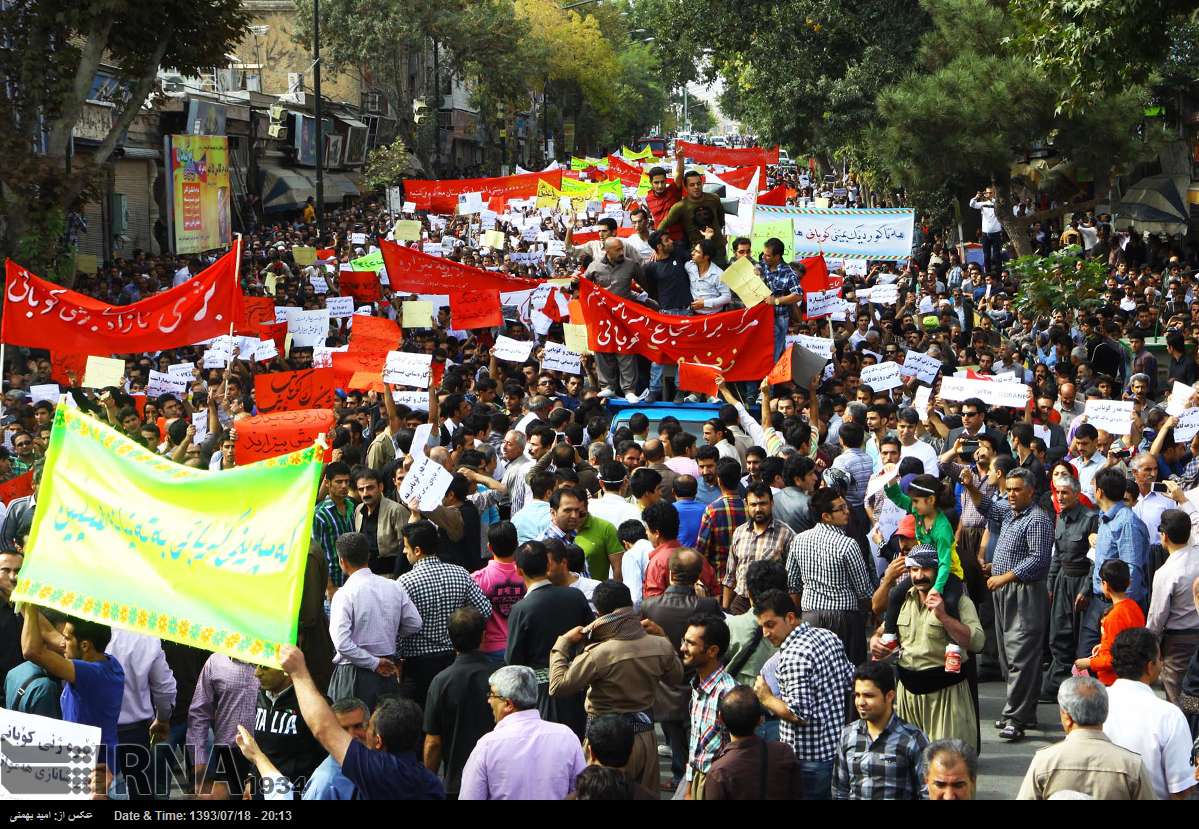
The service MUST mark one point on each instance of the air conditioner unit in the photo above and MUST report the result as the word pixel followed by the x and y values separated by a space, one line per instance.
pixel 295 83
pixel 276 130
pixel 276 112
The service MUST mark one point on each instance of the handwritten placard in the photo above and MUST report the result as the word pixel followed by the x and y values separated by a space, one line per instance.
pixel 404 368
pixel 309 328
pixel 884 294
pixel 558 357
pixel 43 757
pixel 426 482
pixel 267 350
pixel 823 303
pixel 181 369
pixel 101 372
pixel 161 382
pixel 340 306
pixel 200 423
pixel 920 402
pixel 512 351
pixel 881 377
pixel 45 391
pixel 921 366
pixel 1013 395
pixel 406 230
pixel 1180 396
pixel 417 401
pixel 742 279
pixel 817 345
pixel 1187 426
pixel 1112 416
pixel 576 337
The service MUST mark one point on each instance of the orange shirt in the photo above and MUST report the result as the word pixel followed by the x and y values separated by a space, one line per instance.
pixel 1123 615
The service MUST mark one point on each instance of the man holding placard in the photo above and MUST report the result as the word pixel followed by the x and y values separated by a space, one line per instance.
pixel 785 290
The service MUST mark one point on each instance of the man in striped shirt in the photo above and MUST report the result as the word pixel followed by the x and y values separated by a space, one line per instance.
pixel 722 517
pixel 762 537
pixel 334 516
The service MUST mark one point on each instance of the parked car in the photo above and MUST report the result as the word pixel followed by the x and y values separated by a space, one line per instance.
pixel 691 416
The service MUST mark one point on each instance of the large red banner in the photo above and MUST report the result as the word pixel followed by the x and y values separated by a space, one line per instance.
pixel 413 272
pixel 270 435
pixel 40 314
pixel 286 391
pixel 441 195
pixel 740 342
pixel 743 157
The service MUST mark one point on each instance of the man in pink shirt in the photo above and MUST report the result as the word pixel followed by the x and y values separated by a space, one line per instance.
pixel 682 451
pixel 503 587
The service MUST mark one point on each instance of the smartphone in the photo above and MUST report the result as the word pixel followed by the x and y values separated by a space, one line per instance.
pixel 1160 487
pixel 1123 453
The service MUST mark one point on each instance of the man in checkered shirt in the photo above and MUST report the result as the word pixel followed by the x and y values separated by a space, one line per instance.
pixel 806 685
pixel 437 589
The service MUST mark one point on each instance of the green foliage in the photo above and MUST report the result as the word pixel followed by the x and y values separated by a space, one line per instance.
pixel 1093 48
pixel 1063 279
pixel 386 165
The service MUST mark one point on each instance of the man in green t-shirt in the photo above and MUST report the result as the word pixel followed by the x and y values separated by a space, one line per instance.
pixel 698 211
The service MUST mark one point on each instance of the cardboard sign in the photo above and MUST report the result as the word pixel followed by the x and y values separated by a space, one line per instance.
pixel 512 351
pixel 881 377
pixel 309 328
pixel 161 382
pixel 1112 416
pixel 822 303
pixel 304 256
pixel 426 482
pixel 742 279
pixel 470 310
pixel 45 391
pixel 698 378
pixel 286 391
pixel 558 357
pixel 1013 395
pixel 416 313
pixel 101 372
pixel 921 366
pixel 271 435
pixel 575 337
pixel 494 239
pixel 403 368
pixel 340 307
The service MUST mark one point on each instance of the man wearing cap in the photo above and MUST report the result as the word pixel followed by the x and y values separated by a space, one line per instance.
pixel 936 700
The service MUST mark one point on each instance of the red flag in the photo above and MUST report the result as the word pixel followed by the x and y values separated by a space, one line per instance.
pixel 413 272
pixel 698 378
pixel 63 361
pixel 475 309
pixel 271 435
pixel 276 331
pixel 552 309
pixel 139 403
pixel 704 154
pixel 17 487
pixel 774 197
pixel 618 168
pixel 323 254
pixel 740 342
pixel 815 277
pixel 41 314
pixel 286 391
pixel 441 195
pixel 362 285
pixel 374 334
pixel 584 238
pixel 741 177
pixel 258 310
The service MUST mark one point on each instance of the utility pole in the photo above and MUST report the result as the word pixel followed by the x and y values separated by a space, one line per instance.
pixel 320 138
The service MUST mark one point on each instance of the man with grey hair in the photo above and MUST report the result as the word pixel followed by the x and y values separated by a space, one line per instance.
pixel 1017 584
pixel 1069 580
pixel 616 272
pixel 1086 761
pixel 328 782
pixel 525 757
pixel 950 770
pixel 515 464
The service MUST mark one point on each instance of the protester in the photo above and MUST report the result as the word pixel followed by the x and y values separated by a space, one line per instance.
pixel 748 767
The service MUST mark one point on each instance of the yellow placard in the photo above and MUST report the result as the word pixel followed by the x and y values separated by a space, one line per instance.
pixel 101 372
pixel 745 283
pixel 269 282
pixel 86 263
pixel 575 337
pixel 304 256
pixel 494 239
pixel 417 313
pixel 406 230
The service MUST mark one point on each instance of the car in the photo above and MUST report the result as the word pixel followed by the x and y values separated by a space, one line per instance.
pixel 785 161
pixel 691 416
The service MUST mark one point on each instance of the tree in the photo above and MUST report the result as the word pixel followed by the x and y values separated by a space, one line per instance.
pixel 1063 279
pixel 971 108
pixel 52 52
pixel 386 165
pixel 1096 48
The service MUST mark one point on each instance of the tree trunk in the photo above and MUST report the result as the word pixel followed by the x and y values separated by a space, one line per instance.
pixel 1017 227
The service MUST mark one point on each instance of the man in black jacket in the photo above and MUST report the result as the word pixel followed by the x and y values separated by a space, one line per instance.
pixel 666 280
pixel 280 730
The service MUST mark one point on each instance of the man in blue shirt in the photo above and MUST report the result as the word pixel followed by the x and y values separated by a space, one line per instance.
pixel 707 489
pixel 785 290
pixel 689 508
pixel 95 681
pixel 328 782
pixel 1121 535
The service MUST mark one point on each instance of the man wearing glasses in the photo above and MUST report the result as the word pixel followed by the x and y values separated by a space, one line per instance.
pixel 974 414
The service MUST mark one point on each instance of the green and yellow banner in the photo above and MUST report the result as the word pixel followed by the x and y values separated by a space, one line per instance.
pixel 127 538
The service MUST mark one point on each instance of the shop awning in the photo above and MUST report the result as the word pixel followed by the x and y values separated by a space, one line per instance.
pixel 287 188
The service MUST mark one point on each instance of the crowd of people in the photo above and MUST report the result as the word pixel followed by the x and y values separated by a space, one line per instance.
pixel 794 597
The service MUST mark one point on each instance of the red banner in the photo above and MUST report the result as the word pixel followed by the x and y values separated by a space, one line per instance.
pixel 374 334
pixel 41 314
pixel 276 331
pixel 271 435
pixel 475 309
pixel 258 310
pixel 17 487
pixel 62 362
pixel 287 391
pixel 774 197
pixel 697 378
pixel 413 272
pixel 740 342
pixel 618 168
pixel 441 195
pixel 366 381
pixel 745 157
pixel 362 285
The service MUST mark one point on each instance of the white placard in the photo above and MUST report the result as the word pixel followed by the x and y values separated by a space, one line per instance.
pixel 880 481
pixel 555 247
pixel 420 437
pixel 1187 426
pixel 1043 433
pixel 881 377
pixel 404 368
pixel 432 248
pixel 920 366
pixel 862 295
pixel 182 369
pixel 340 307
pixel 283 313
pixel 44 391
pixel 823 303
pixel 43 755
pixel 418 401
pixel 558 357
pixel 920 402
pixel 427 482
pixel 1013 395
pixel 309 328
pixel 319 284
pixel 817 345
pixel 357 238
pixel 1180 396
pixel 409 207
pixel 1112 416
pixel 512 351
pixel 884 294
pixel 268 350
pixel 200 421
pixel 101 372
pixel 214 358
pixel 162 383
pixel 854 267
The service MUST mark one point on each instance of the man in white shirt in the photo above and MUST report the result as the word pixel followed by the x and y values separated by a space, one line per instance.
pixel 1139 721
pixel 146 707
pixel 612 507
pixel 635 560
pixel 992 230
pixel 367 617
pixel 913 447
